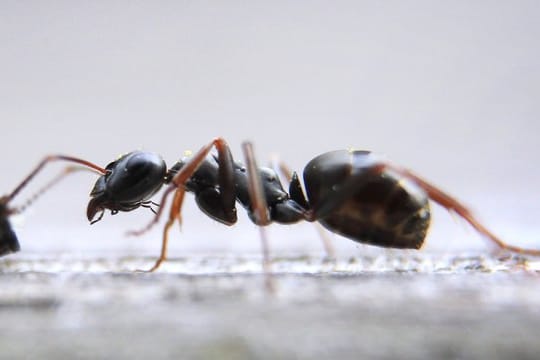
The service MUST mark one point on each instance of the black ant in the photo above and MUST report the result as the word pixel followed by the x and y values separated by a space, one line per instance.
pixel 350 192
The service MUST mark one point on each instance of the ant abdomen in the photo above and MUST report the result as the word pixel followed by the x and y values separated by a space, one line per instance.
pixel 372 207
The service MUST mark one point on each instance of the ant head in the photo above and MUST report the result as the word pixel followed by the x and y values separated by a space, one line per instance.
pixel 128 182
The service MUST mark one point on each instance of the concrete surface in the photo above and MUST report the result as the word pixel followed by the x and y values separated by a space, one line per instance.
pixel 389 306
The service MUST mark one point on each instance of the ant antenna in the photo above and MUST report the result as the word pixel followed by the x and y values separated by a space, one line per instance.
pixel 59 177
pixel 86 165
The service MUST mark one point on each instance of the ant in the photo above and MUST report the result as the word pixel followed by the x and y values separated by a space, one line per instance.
pixel 349 192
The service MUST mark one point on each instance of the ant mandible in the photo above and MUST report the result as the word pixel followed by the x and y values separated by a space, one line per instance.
pixel 350 192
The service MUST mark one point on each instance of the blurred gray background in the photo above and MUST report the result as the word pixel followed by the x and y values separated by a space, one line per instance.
pixel 448 89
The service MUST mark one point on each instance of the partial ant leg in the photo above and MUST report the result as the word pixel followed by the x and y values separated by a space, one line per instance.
pixel 256 192
pixel 259 208
pixel 454 206
pixel 40 167
pixel 177 205
pixel 177 185
pixel 280 166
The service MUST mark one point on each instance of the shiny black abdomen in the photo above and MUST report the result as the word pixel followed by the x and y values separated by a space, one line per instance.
pixel 383 210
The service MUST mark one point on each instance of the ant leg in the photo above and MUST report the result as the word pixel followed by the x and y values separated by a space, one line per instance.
pixel 261 214
pixel 454 206
pixel 40 167
pixel 255 189
pixel 282 168
pixel 174 214
pixel 177 185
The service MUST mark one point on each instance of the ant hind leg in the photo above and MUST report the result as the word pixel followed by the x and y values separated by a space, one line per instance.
pixel 454 206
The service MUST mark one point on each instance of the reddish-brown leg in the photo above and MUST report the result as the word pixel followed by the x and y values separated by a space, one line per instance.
pixel 260 209
pixel 174 214
pixel 177 186
pixel 453 205
pixel 256 192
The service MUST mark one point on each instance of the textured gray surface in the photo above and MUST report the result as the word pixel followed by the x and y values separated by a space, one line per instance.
pixel 217 307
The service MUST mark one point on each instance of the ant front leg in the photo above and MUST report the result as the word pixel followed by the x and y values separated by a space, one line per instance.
pixel 177 186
